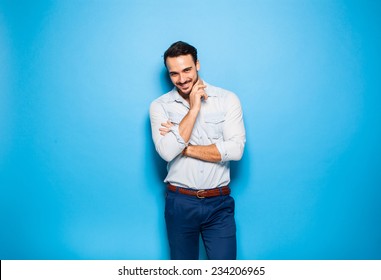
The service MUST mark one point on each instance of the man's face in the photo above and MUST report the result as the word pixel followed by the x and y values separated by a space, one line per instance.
pixel 183 73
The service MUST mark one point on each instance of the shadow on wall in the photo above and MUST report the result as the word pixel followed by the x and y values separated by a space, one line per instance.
pixel 165 82
pixel 158 165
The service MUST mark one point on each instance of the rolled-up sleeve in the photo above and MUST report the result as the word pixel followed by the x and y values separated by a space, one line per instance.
pixel 170 145
pixel 234 136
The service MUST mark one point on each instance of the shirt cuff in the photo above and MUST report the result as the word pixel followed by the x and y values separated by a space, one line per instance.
pixel 221 148
pixel 175 130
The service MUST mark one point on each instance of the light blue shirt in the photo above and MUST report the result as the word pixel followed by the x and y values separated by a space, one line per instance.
pixel 219 122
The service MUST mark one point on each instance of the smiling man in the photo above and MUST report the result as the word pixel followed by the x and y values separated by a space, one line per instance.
pixel 198 129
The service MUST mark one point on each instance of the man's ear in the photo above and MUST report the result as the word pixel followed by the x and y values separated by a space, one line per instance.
pixel 197 65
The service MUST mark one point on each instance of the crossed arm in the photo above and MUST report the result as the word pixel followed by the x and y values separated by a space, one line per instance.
pixel 206 153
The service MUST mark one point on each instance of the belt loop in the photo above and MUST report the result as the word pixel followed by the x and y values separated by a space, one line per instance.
pixel 220 189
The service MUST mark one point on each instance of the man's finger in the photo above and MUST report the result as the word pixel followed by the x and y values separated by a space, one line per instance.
pixel 167 124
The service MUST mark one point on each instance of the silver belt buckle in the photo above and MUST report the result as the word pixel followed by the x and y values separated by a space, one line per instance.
pixel 198 194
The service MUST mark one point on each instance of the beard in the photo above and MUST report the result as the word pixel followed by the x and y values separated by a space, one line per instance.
pixel 185 89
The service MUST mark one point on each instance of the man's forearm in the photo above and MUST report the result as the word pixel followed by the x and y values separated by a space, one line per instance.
pixel 206 153
pixel 195 98
pixel 186 125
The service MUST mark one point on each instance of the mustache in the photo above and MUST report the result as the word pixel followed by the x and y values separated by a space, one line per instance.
pixel 186 82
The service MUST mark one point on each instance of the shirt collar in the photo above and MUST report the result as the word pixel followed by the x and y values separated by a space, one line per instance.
pixel 209 90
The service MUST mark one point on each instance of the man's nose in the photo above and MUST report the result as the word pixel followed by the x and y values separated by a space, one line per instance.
pixel 182 78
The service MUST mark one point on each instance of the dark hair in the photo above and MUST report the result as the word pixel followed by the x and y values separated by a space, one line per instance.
pixel 180 48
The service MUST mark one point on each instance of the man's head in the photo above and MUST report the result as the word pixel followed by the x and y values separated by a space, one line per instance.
pixel 182 65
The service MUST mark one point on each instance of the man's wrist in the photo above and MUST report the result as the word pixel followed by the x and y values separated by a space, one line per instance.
pixel 194 111
pixel 185 152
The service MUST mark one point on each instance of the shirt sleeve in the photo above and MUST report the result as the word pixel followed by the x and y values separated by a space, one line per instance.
pixel 170 145
pixel 231 148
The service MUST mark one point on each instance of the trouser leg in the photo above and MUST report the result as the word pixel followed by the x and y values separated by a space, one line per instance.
pixel 182 218
pixel 219 229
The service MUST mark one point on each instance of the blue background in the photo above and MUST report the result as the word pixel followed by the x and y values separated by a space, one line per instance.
pixel 80 178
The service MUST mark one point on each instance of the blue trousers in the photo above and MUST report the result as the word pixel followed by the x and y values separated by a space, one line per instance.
pixel 187 217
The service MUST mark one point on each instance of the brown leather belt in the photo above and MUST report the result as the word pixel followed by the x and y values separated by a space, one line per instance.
pixel 201 193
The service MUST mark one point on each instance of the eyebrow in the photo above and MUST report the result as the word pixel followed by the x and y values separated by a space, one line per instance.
pixel 183 70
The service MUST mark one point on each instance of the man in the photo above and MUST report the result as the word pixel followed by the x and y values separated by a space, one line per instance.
pixel 197 128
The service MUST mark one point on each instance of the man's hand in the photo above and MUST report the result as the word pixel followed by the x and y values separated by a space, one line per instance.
pixel 197 95
pixel 165 127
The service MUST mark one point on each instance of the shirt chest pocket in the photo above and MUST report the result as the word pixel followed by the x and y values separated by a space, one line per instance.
pixel 214 124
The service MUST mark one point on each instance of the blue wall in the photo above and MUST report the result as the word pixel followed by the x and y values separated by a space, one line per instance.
pixel 79 176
